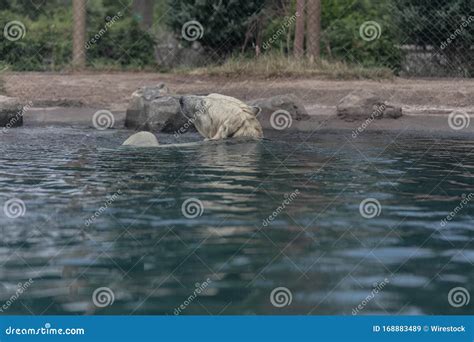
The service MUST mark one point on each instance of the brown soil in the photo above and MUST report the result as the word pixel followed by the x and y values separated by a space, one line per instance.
pixel 112 90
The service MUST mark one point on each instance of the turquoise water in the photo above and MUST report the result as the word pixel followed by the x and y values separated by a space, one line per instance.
pixel 284 212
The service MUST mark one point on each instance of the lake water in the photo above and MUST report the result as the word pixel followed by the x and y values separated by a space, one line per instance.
pixel 215 228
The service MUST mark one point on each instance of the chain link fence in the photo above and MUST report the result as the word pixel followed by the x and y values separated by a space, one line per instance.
pixel 432 38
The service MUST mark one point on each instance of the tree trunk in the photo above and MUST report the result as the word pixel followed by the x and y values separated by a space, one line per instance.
pixel 314 29
pixel 79 34
pixel 298 47
pixel 143 9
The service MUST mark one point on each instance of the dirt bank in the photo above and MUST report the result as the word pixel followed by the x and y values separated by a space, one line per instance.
pixel 426 102
pixel 112 90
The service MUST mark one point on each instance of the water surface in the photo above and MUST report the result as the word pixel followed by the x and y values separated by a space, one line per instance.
pixel 278 213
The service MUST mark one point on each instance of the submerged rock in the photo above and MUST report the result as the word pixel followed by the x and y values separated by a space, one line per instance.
pixel 362 104
pixel 154 109
pixel 11 112
pixel 142 139
pixel 287 103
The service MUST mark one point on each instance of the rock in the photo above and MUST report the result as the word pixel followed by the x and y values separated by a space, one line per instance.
pixel 154 109
pixel 288 103
pixel 11 112
pixel 362 105
pixel 142 139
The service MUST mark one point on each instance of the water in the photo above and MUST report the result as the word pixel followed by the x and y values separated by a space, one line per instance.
pixel 143 248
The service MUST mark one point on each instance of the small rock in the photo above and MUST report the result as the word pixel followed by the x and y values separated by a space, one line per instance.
pixel 11 112
pixel 142 139
pixel 288 103
pixel 362 104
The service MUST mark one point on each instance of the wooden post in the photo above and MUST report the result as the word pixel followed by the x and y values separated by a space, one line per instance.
pixel 79 34
pixel 314 30
pixel 298 47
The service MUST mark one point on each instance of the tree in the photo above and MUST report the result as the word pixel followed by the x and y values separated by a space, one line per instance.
pixel 218 25
pixel 298 47
pixel 79 34
pixel 143 10
pixel 314 29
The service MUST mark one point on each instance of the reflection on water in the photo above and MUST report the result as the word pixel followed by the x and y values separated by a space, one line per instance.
pixel 97 216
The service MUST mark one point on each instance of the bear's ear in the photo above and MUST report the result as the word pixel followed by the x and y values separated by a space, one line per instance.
pixel 255 110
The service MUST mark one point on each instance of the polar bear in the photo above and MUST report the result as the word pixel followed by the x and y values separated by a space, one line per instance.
pixel 218 116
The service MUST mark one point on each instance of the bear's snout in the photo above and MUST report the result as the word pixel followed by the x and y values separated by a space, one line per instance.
pixel 181 101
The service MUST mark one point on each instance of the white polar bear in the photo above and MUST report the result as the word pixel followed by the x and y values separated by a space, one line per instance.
pixel 218 116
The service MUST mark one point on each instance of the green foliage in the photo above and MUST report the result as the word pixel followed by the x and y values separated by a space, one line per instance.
pixel 341 38
pixel 47 43
pixel 225 22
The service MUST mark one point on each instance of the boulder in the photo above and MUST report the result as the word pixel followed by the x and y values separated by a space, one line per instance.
pixel 142 139
pixel 11 112
pixel 288 103
pixel 362 105
pixel 154 109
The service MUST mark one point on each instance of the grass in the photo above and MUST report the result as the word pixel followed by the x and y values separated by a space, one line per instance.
pixel 269 66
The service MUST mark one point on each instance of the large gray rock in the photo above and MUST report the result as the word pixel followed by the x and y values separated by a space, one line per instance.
pixel 142 139
pixel 288 103
pixel 155 109
pixel 11 112
pixel 362 105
